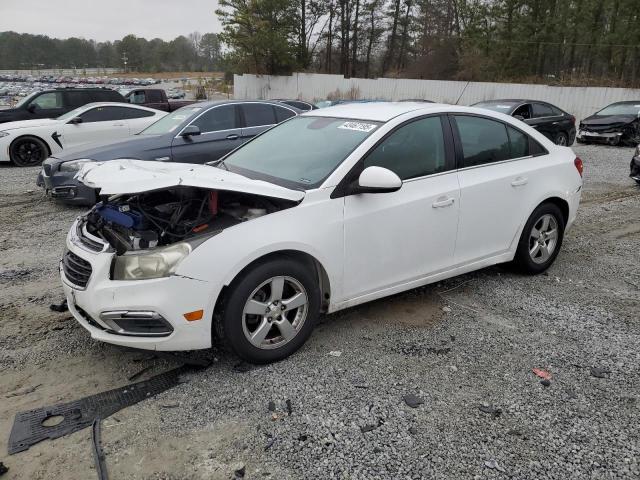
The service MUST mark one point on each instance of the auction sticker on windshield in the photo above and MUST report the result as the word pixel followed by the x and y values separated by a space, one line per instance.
pixel 358 126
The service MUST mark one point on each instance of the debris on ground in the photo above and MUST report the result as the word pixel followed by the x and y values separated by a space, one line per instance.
pixel 335 353
pixel 545 383
pixel 490 410
pixel 493 465
pixel 446 309
pixel 368 428
pixel 272 406
pixel 412 400
pixel 599 372
pixel 98 452
pixel 289 407
pixel 23 391
pixel 59 307
pixel 3 469
pixel 239 472
pixel 269 444
pixel 28 428
pixel 542 373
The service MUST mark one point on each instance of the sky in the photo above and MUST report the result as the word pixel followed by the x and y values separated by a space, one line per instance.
pixel 109 19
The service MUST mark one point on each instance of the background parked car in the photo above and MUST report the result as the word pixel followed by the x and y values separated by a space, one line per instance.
pixel 634 172
pixel 299 104
pixel 614 124
pixel 553 122
pixel 53 103
pixel 155 98
pixel 28 142
pixel 198 133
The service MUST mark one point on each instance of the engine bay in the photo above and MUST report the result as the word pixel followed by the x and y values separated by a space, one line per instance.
pixel 159 218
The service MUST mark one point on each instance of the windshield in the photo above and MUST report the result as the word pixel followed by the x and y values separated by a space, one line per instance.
pixel 496 107
pixel 171 122
pixel 25 100
pixel 72 113
pixel 301 152
pixel 621 109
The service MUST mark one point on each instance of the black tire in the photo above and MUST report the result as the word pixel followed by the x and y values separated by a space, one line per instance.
pixel 523 259
pixel 28 152
pixel 230 322
pixel 561 139
pixel 584 142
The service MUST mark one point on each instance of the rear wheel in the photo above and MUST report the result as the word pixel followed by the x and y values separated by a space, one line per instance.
pixel 561 139
pixel 28 152
pixel 270 310
pixel 541 239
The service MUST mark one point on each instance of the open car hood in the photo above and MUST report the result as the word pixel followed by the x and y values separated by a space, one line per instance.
pixel 135 176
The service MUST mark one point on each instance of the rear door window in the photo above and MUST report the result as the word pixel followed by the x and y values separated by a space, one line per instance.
pixel 224 117
pixel 541 110
pixel 483 140
pixel 77 99
pixel 258 114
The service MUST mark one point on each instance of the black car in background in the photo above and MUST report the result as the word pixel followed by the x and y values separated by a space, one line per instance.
pixel 553 122
pixel 618 123
pixel 299 104
pixel 56 102
pixel 198 133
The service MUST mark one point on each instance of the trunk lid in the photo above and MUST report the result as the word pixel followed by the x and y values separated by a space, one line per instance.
pixel 136 176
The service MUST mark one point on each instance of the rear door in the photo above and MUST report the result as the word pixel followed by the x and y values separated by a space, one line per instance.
pixel 219 134
pixel 501 173
pixel 99 124
pixel 544 120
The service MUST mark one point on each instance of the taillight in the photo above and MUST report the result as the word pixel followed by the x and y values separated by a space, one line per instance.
pixel 579 166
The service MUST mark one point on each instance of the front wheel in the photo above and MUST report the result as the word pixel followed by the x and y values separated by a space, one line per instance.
pixel 541 239
pixel 28 152
pixel 271 310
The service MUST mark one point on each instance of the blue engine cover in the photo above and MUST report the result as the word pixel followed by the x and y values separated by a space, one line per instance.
pixel 121 216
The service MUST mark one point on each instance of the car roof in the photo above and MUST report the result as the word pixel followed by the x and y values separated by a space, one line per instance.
pixel 213 103
pixel 512 100
pixel 118 104
pixel 375 111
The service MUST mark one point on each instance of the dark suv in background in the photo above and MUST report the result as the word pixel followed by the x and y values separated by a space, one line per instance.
pixel 551 121
pixel 56 102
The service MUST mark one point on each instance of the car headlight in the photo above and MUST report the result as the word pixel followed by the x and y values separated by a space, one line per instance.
pixel 73 165
pixel 4 134
pixel 157 263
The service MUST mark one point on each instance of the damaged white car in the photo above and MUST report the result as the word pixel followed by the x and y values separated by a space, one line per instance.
pixel 325 211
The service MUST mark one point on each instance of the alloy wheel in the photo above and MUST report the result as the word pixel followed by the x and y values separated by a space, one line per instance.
pixel 543 238
pixel 275 312
pixel 28 153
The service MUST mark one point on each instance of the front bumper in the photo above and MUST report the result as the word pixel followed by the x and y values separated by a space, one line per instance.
pixel 64 187
pixel 93 306
pixel 604 137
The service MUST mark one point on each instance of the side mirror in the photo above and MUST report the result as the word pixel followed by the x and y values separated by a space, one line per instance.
pixel 519 117
pixel 75 120
pixel 190 131
pixel 377 180
pixel 32 108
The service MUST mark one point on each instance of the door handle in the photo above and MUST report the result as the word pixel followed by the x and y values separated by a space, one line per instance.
pixel 233 136
pixel 443 202
pixel 118 124
pixel 519 181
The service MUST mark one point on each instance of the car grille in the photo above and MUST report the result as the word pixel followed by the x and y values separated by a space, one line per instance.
pixel 76 269
pixel 47 169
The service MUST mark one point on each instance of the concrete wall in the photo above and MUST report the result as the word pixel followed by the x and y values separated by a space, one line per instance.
pixel 579 101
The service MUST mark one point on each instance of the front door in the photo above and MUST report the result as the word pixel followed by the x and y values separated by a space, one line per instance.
pixel 98 124
pixel 394 238
pixel 219 134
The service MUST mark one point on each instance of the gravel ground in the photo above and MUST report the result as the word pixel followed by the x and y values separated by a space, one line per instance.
pixel 464 348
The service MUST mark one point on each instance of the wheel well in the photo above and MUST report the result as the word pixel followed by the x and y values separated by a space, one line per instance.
pixel 561 204
pixel 32 136
pixel 312 262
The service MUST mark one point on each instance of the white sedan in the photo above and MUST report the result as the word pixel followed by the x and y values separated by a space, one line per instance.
pixel 327 210
pixel 27 143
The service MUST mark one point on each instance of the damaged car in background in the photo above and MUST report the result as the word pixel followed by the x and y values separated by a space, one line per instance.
pixel 616 124
pixel 305 219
